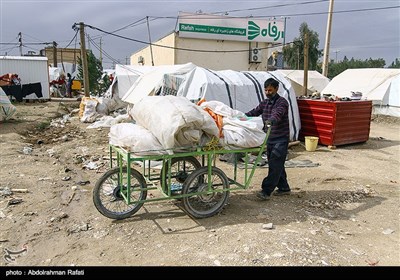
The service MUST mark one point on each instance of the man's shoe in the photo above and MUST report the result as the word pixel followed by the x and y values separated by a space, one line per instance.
pixel 280 193
pixel 262 196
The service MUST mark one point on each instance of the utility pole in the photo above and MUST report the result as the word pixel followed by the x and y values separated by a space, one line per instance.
pixel 305 82
pixel 20 43
pixel 298 57
pixel 84 60
pixel 336 52
pixel 327 40
pixel 151 50
pixel 54 54
pixel 284 30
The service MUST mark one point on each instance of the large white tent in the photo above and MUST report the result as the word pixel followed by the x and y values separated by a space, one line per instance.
pixel 316 82
pixel 239 90
pixel 380 85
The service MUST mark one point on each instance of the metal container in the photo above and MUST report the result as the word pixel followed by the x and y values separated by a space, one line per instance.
pixel 335 122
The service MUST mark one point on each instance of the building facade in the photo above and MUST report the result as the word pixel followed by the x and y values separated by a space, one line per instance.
pixel 217 43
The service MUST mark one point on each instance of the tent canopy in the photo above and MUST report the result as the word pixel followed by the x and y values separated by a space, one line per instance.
pixel 147 83
pixel 381 85
pixel 316 81
pixel 373 83
pixel 124 77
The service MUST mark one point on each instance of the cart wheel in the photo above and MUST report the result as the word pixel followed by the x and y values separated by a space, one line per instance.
pixel 107 194
pixel 205 205
pixel 181 168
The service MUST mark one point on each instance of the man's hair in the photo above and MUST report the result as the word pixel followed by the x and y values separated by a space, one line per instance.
pixel 271 82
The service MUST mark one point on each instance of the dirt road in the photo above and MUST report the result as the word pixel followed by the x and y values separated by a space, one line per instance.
pixel 343 212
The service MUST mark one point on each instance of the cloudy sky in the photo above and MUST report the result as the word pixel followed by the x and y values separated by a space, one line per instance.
pixel 360 28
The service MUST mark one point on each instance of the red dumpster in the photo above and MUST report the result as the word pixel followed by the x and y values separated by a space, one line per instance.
pixel 335 122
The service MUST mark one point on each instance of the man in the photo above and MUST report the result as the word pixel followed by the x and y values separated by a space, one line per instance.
pixel 274 112
pixel 69 82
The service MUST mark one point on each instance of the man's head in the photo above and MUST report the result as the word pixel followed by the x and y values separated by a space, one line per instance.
pixel 271 87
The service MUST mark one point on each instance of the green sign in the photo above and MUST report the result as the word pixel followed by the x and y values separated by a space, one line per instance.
pixel 271 31
pixel 212 29
pixel 234 29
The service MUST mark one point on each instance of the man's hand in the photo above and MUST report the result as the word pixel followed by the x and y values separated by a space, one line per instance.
pixel 268 123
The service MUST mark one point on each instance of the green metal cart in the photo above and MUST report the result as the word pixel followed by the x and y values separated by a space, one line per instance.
pixel 191 176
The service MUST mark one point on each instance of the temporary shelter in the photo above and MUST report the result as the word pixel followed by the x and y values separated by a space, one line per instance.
pixel 380 85
pixel 30 69
pixel 239 90
pixel 316 82
pixel 148 83
pixel 125 76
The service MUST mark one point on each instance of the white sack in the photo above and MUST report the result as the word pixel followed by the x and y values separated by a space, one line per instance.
pixel 135 139
pixel 7 110
pixel 108 121
pixel 90 114
pixel 174 121
pixel 243 133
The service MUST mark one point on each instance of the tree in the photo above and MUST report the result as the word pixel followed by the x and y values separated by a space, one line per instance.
pixel 337 68
pixel 294 53
pixel 95 70
pixel 395 64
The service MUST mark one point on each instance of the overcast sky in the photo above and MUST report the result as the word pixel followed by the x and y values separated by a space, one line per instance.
pixel 360 28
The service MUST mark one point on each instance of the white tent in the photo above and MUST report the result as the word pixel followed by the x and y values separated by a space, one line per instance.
pixel 380 85
pixel 124 77
pixel 149 82
pixel 316 82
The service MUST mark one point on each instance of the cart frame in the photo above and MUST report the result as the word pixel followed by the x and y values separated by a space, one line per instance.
pixel 202 180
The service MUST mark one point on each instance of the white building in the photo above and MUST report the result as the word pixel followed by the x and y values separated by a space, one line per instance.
pixel 30 69
pixel 217 42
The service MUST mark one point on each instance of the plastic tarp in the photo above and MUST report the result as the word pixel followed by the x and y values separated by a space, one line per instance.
pixel 239 131
pixel 135 138
pixel 316 82
pixel 380 85
pixel 177 123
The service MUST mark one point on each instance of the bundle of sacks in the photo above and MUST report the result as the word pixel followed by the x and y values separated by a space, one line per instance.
pixel 168 124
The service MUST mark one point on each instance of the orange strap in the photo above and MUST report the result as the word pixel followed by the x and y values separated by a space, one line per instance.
pixel 217 118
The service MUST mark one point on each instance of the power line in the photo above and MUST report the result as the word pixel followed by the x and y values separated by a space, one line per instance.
pixel 174 48
pixel 292 15
pixel 76 33
pixel 268 7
